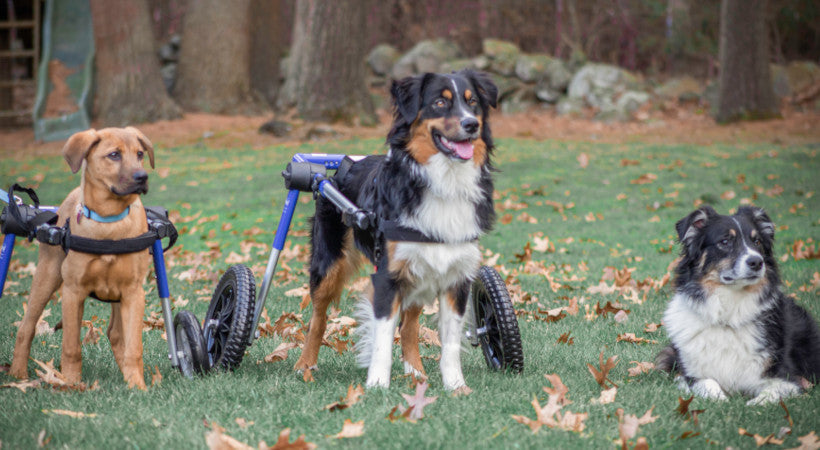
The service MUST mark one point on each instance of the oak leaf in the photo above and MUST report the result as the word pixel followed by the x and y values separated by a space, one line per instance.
pixel 761 440
pixel 418 401
pixel 283 443
pixel 602 372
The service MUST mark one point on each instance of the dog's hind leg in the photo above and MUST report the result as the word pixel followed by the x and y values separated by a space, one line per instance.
pixel 47 280
pixel 409 330
pixel 451 325
pixel 115 334
pixel 332 263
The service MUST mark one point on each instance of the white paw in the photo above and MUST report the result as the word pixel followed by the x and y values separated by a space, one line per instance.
pixel 377 382
pixel 775 391
pixel 708 388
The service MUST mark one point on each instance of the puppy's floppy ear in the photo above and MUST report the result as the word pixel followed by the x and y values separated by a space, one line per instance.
pixel 146 144
pixel 407 94
pixel 77 147
pixel 759 218
pixel 487 90
pixel 690 226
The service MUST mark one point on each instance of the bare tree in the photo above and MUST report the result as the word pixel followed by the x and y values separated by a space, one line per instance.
pixel 326 69
pixel 129 84
pixel 214 59
pixel 745 87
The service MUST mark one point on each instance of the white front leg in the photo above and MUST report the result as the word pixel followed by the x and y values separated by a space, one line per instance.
pixel 450 331
pixel 381 357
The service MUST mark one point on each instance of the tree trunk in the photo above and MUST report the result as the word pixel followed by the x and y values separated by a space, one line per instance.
pixel 745 86
pixel 326 68
pixel 268 45
pixel 129 86
pixel 214 59
pixel 678 35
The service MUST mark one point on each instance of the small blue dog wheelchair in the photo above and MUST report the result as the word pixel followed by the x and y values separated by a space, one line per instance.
pixel 230 324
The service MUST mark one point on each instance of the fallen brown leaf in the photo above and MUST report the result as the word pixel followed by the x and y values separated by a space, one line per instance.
pixel 350 429
pixel 761 440
pixel 808 442
pixel 630 337
pixel 418 401
pixel 280 353
pixel 565 339
pixel 216 439
pixel 640 367
pixel 602 372
pixel 283 443
pixel 349 400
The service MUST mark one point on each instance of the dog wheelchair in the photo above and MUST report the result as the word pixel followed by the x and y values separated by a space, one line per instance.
pixel 38 222
pixel 230 324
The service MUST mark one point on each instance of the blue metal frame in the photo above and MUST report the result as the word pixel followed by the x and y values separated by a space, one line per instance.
pixel 159 269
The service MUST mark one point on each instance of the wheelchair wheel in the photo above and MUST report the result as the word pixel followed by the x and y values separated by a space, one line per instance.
pixel 193 360
pixel 495 322
pixel 229 321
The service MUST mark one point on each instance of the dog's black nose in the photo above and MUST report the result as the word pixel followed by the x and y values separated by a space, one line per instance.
pixel 141 177
pixel 755 263
pixel 470 124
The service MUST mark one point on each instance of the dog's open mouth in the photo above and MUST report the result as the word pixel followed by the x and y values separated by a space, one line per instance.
pixel 458 149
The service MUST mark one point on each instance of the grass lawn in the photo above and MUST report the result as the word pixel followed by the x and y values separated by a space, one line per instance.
pixel 582 224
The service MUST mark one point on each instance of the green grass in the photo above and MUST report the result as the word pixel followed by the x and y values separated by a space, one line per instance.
pixel 633 227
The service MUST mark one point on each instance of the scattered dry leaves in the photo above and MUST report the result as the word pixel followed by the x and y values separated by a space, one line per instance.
pixel 352 397
pixel 761 440
pixel 630 337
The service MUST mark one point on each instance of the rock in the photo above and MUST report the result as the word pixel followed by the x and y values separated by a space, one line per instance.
pixel 479 62
pixel 426 56
pixel 628 103
pixel 519 101
pixel 321 132
pixel 530 68
pixel 570 107
pixel 382 58
pixel 546 94
pixel 598 84
pixel 681 88
pixel 558 75
pixel 794 77
pixel 506 85
pixel 503 56
pixel 278 128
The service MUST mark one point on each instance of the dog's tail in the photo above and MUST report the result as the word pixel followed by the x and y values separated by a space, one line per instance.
pixel 365 323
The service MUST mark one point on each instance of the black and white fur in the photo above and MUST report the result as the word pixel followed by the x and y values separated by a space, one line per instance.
pixel 436 179
pixel 732 329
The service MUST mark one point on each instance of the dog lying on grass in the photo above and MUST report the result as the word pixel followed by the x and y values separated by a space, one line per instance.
pixel 731 327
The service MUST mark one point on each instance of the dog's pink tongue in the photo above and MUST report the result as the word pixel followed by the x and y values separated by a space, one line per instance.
pixel 463 149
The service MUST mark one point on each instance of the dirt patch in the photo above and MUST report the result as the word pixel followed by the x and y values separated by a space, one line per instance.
pixel 673 126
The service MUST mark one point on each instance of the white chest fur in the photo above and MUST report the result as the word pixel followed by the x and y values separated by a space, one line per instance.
pixel 447 212
pixel 719 339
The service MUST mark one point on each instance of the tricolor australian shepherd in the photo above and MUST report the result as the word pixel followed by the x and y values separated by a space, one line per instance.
pixel 432 198
pixel 732 329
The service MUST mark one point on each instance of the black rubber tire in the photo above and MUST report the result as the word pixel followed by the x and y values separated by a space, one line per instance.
pixel 229 321
pixel 193 359
pixel 493 310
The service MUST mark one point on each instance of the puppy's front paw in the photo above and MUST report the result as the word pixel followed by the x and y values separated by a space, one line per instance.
pixel 377 382
pixel 708 388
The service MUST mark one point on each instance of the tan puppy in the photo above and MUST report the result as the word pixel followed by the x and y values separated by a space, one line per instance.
pixel 113 177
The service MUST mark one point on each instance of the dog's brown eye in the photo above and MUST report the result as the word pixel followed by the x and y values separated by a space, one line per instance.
pixel 440 103
pixel 472 101
pixel 758 242
pixel 114 156
pixel 139 155
pixel 725 242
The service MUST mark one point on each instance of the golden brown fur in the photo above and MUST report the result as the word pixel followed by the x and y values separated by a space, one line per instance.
pixel 115 278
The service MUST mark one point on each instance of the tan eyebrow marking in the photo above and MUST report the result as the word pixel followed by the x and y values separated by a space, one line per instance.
pixel 447 94
pixel 468 94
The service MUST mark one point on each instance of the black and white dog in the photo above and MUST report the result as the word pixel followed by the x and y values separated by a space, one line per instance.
pixel 432 196
pixel 732 329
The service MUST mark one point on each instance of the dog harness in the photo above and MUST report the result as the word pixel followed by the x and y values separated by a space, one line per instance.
pixel 33 223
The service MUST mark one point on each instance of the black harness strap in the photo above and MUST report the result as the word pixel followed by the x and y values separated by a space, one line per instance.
pixel 23 220
pixel 393 231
